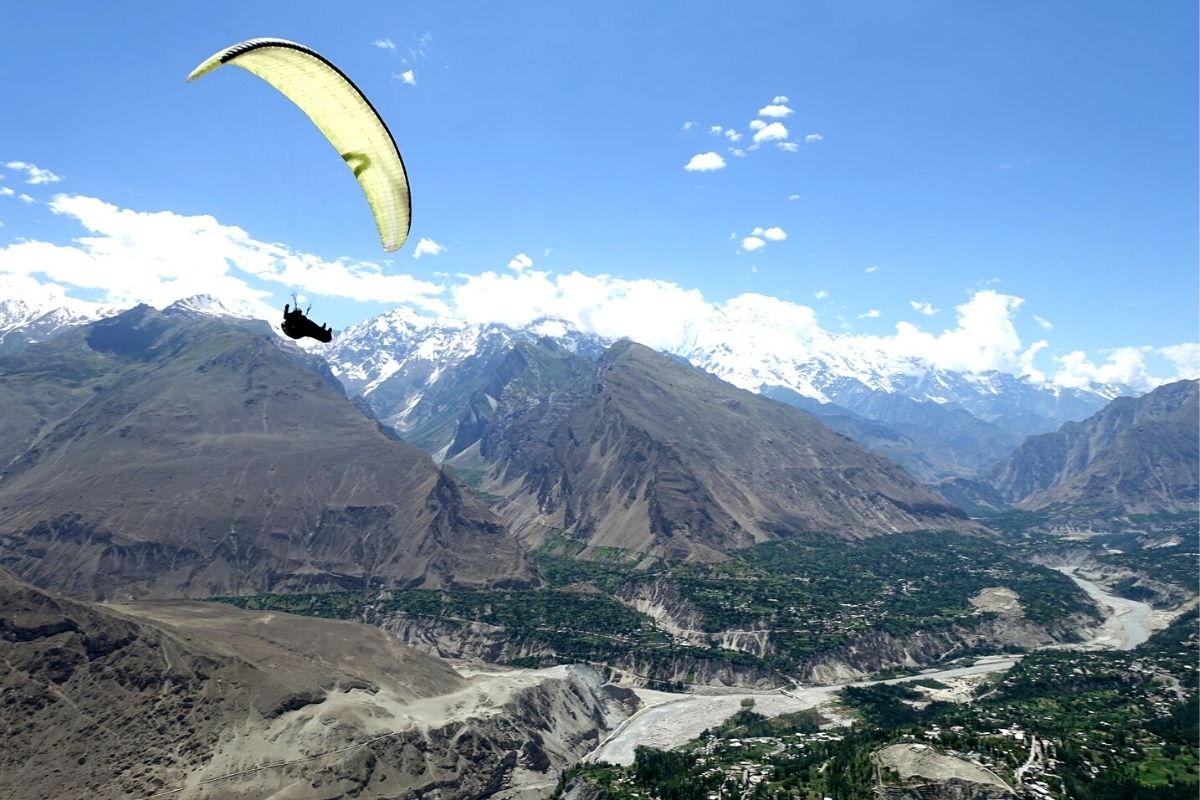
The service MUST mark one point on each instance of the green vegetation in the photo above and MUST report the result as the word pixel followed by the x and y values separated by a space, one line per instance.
pixel 810 594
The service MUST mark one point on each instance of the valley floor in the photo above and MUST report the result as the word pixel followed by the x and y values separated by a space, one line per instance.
pixel 669 720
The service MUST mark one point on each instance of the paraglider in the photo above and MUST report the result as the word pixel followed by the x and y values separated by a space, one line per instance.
pixel 342 113
pixel 297 325
pixel 351 124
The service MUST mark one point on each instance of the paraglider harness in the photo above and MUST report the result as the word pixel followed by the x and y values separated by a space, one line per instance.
pixel 297 325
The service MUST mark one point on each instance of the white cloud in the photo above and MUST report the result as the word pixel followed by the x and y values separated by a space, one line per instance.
pixel 752 243
pixel 779 98
pixel 1025 360
pixel 810 138
pixel 717 129
pixel 871 268
pixel 985 338
pixel 657 313
pixel 1186 359
pixel 158 257
pixel 520 262
pixel 776 131
pixel 820 294
pixel 732 135
pixel 1125 365
pixel 754 269
pixel 408 77
pixel 925 308
pixel 871 314
pixel 384 44
pixel 788 147
pixel 6 192
pixel 705 162
pixel 793 197
pixel 428 247
pixel 1045 323
pixel 687 126
pixel 775 111
pixel 33 173
pixel 24 198
pixel 738 152
pixel 773 234
pixel 757 124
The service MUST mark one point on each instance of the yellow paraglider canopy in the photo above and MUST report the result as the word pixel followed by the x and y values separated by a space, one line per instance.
pixel 342 113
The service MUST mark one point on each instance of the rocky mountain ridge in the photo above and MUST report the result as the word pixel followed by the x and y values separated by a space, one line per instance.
pixel 650 456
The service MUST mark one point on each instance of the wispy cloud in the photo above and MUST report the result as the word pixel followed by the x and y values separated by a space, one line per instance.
pixel 922 307
pixel 871 269
pixel 820 294
pixel 870 314
pixel 788 147
pixel 408 76
pixel 384 44
pixel 793 197
pixel 33 173
pixel 6 192
pixel 705 162
pixel 810 138
pixel 24 198
pixel 428 247
pixel 1045 323
pixel 687 126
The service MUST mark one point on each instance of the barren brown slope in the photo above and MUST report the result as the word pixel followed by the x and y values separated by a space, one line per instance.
pixel 208 702
pixel 105 703
pixel 212 458
pixel 646 454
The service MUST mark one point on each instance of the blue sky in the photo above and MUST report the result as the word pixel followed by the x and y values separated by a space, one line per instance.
pixel 938 156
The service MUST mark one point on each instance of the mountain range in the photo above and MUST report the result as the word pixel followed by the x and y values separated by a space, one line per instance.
pixel 181 453
pixel 414 370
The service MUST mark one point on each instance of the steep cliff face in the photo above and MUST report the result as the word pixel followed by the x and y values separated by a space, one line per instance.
pixel 1137 455
pixel 168 454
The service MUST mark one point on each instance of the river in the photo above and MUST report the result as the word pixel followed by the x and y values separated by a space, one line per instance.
pixel 669 720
